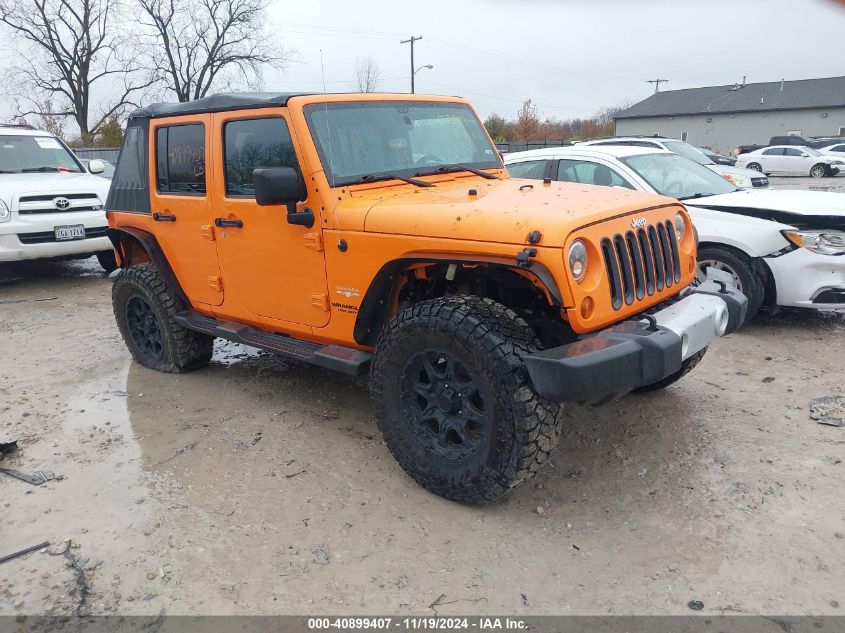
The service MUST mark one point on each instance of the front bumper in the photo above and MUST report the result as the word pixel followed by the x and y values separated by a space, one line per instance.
pixel 633 354
pixel 804 279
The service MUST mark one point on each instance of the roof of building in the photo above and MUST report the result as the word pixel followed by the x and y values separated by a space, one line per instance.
pixel 828 92
pixel 218 103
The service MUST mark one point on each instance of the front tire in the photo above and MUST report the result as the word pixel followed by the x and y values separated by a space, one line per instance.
pixel 454 402
pixel 738 265
pixel 144 308
pixel 818 171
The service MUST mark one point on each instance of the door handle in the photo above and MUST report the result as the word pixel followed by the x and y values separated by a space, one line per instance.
pixel 164 217
pixel 224 223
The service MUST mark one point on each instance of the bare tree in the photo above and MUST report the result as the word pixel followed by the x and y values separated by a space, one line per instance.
pixel 69 50
pixel 367 74
pixel 197 45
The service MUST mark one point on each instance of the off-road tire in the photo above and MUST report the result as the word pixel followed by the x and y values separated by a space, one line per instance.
pixel 818 171
pixel 107 261
pixel 521 429
pixel 686 367
pixel 752 286
pixel 181 349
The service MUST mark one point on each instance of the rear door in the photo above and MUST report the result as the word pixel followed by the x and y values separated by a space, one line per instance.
pixel 271 269
pixel 772 160
pixel 181 204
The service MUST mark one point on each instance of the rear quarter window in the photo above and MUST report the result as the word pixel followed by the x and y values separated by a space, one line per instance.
pixel 180 159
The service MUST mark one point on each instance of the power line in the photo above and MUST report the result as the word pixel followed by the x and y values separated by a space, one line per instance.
pixel 489 96
pixel 445 46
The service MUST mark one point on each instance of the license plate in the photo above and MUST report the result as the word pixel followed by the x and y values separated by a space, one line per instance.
pixel 70 232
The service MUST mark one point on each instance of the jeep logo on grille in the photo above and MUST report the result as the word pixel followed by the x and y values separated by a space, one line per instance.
pixel 638 222
pixel 61 203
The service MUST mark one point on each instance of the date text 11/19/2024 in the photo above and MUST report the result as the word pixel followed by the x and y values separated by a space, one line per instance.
pixel 416 624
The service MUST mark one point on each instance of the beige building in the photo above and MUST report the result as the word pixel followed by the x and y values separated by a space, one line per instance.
pixel 722 117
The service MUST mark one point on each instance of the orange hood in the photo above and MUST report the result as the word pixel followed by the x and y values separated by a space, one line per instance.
pixel 503 211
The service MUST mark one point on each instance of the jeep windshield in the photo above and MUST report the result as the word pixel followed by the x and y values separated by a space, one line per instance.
pixel 358 141
pixel 21 153
pixel 678 177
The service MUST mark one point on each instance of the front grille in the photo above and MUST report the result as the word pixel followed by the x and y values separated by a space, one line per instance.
pixel 44 237
pixel 43 203
pixel 760 182
pixel 641 263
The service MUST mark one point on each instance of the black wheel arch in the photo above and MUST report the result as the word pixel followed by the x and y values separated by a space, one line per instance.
pixel 135 246
pixel 374 309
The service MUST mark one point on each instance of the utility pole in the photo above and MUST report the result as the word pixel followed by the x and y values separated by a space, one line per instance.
pixel 657 83
pixel 411 42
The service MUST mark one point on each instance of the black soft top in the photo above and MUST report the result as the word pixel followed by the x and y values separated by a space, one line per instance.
pixel 217 103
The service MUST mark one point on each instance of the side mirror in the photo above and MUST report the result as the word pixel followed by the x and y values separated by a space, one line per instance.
pixel 96 166
pixel 282 185
pixel 805 155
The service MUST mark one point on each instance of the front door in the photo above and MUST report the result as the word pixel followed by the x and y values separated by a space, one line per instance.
pixel 271 269
pixel 181 205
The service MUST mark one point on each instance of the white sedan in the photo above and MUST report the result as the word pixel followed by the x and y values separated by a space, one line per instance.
pixel 790 160
pixel 782 248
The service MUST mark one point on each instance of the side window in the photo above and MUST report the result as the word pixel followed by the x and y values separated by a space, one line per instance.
pixel 778 151
pixel 529 169
pixel 838 149
pixel 180 159
pixel 252 143
pixel 792 151
pixel 588 173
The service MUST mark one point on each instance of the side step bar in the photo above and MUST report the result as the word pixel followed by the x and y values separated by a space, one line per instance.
pixel 343 359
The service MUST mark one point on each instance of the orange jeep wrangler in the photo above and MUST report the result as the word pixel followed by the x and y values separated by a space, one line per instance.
pixel 381 233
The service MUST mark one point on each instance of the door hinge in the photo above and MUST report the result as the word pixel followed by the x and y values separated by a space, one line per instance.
pixel 314 241
pixel 216 283
pixel 320 300
pixel 207 232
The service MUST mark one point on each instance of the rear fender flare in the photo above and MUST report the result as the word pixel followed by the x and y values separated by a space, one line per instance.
pixel 128 240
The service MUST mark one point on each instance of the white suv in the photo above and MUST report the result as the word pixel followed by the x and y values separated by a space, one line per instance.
pixel 50 206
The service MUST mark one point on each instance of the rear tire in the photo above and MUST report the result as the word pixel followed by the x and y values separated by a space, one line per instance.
pixel 144 307
pixel 686 367
pixel 739 265
pixel 107 260
pixel 754 166
pixel 454 402
pixel 818 171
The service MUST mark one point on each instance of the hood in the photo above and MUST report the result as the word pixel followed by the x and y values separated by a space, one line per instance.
pixel 15 185
pixel 803 209
pixel 503 211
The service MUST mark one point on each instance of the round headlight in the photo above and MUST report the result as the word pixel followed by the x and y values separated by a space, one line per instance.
pixel 578 260
pixel 680 227
pixel 4 212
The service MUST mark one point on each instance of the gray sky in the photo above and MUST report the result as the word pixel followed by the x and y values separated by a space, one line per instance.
pixel 571 57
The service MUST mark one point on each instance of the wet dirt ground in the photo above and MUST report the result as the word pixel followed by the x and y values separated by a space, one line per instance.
pixel 259 485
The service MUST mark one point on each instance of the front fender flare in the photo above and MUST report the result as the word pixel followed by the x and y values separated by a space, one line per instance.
pixel 373 309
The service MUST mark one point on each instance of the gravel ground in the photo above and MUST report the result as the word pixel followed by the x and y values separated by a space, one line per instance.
pixel 259 485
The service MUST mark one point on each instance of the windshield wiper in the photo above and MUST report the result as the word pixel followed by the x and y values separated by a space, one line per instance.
pixel 45 169
pixel 696 195
pixel 448 169
pixel 410 181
